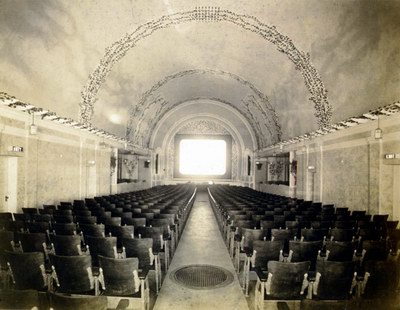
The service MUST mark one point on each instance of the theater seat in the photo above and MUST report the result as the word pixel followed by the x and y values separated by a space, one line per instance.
pixel 284 281
pixel 122 278
pixel 27 270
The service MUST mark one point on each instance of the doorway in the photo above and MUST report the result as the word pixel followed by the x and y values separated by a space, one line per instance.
pixel 8 184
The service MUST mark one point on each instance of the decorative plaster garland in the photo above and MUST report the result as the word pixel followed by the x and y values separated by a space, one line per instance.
pixel 203 126
pixel 301 60
pixel 149 131
pixel 257 100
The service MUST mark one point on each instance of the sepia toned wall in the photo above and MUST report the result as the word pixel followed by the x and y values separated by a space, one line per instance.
pixel 57 164
pixel 350 168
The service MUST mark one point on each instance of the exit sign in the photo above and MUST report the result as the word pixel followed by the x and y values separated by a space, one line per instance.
pixel 16 149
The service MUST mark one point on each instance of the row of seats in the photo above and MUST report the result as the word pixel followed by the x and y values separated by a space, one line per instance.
pixel 106 245
pixel 305 250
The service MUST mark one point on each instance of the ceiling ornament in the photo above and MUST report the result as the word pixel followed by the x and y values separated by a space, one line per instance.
pixel 149 131
pixel 261 111
pixel 387 110
pixel 117 50
pixel 203 126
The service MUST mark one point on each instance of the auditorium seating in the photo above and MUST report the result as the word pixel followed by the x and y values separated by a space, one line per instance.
pixel 122 278
pixel 65 245
pixel 341 248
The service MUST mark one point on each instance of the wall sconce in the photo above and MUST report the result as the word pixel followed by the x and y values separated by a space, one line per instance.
pixel 147 163
pixel 259 165
pixel 311 169
pixel 378 132
pixel 33 128
pixel 102 145
pixel 91 162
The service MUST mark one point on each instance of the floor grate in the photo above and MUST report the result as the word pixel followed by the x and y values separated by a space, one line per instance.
pixel 202 276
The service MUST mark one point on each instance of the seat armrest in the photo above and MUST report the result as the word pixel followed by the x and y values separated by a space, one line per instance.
pixel 95 271
pixel 248 251
pixel 232 228
pixel 358 254
pixel 144 272
pixel 311 276
pixel 260 274
pixel 166 236
pixel 238 238
pixel 173 227
pixel 360 275
pixel 156 249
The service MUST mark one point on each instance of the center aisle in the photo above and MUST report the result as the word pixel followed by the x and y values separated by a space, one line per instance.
pixel 201 243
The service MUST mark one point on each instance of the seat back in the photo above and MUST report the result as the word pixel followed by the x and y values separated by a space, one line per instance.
pixel 311 234
pixel 250 235
pixel 38 227
pixel 104 246
pixel 375 250
pixel 342 234
pixel 6 216
pixel 340 251
pixel 95 230
pixel 74 273
pixel 383 279
pixel 86 219
pixel 135 221
pixel 66 245
pixel 63 218
pixel 32 242
pixel 28 270
pixel 6 237
pixel 21 299
pixel 64 228
pixel 139 247
pixel 155 233
pixel 267 251
pixel 283 234
pixel 304 251
pixel 160 222
pixel 287 279
pixel 347 224
pixel 119 275
pixel 335 280
pixel 120 232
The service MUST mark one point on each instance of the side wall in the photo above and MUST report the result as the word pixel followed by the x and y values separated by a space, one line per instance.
pixel 349 168
pixel 57 164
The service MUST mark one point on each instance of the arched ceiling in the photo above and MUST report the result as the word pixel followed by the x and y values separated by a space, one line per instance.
pixel 219 86
pixel 49 48
pixel 206 109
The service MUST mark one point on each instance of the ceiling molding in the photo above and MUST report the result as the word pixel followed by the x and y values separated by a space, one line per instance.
pixel 256 101
pixel 153 134
pixel 117 50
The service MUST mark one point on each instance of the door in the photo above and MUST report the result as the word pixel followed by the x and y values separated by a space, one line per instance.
pixel 396 192
pixel 9 180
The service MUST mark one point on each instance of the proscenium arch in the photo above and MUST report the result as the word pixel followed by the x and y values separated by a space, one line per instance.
pixel 215 101
pixel 224 123
pixel 116 51
pixel 271 120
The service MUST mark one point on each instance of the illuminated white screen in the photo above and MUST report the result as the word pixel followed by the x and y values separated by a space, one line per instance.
pixel 202 157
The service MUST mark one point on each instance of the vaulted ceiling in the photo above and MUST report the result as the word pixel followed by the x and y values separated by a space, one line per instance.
pixel 123 65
